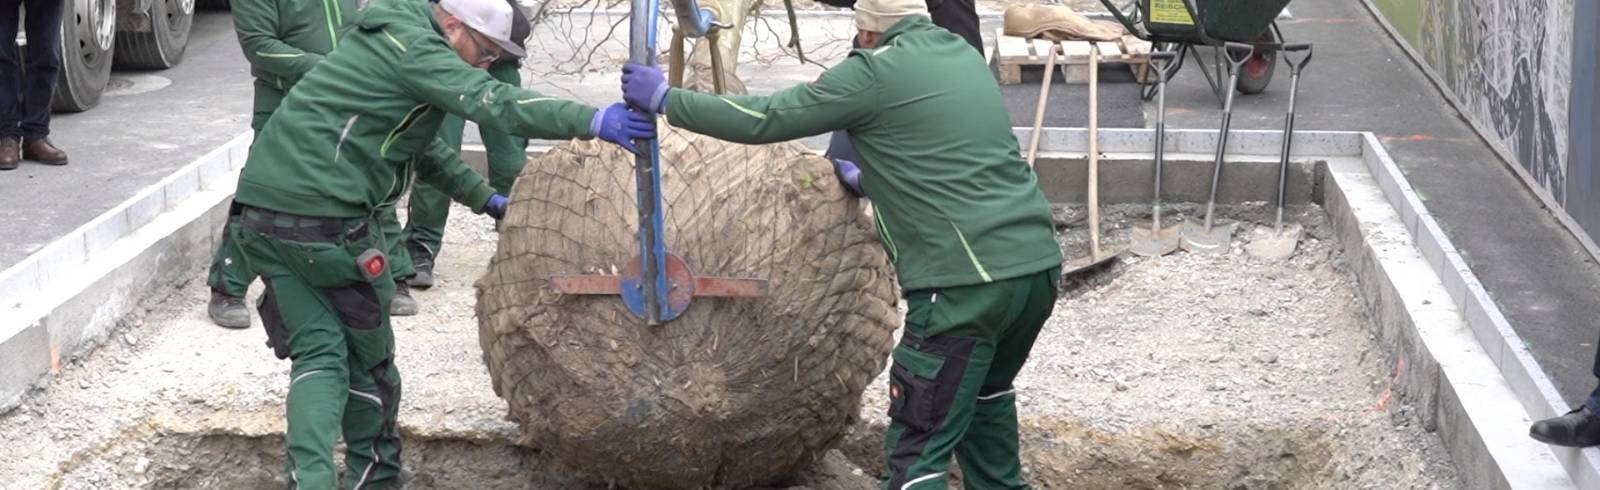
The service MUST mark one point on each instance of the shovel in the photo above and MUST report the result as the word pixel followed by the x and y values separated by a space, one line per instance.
pixel 1279 242
pixel 1216 236
pixel 1097 258
pixel 1157 240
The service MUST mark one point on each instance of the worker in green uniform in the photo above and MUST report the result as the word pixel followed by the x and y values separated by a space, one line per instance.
pixel 429 210
pixel 345 144
pixel 959 213
pixel 282 40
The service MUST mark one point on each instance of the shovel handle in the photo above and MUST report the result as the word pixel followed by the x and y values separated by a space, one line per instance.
pixel 1238 53
pixel 1296 65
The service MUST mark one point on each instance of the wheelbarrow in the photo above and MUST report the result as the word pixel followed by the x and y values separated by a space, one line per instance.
pixel 1171 26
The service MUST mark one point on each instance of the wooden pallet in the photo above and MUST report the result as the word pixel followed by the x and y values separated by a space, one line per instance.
pixel 1012 53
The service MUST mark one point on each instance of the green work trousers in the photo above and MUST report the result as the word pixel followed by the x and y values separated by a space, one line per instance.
pixel 429 209
pixel 950 385
pixel 230 277
pixel 322 311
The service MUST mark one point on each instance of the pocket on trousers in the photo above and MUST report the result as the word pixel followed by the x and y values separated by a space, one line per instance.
pixel 357 305
pixel 321 265
pixel 272 321
pixel 912 387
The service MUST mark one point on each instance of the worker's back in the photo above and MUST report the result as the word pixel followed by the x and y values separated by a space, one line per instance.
pixel 956 203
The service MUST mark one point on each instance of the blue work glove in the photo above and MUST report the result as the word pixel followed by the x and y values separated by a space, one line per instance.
pixel 619 125
pixel 645 87
pixel 496 207
pixel 849 175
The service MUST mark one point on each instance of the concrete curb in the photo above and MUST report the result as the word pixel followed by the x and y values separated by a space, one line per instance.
pixel 1527 380
pixel 63 298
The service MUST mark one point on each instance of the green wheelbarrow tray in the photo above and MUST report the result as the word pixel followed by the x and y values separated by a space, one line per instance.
pixel 1219 20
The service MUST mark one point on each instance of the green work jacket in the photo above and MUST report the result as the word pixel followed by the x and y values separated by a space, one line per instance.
pixel 955 203
pixel 284 39
pixel 351 134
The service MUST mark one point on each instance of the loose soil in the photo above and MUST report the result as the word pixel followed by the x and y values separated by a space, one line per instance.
pixel 1185 371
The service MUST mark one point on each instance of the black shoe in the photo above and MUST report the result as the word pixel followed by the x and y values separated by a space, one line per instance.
pixel 1578 428
pixel 423 263
pixel 228 311
pixel 402 304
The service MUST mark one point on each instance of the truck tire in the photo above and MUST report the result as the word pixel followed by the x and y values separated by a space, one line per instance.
pixel 88 31
pixel 158 37
pixel 213 4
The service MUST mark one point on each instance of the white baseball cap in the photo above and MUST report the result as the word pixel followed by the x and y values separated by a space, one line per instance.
pixel 496 19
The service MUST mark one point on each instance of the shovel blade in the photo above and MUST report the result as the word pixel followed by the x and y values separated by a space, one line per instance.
pixel 1267 242
pixel 1154 243
pixel 1087 264
pixel 1217 240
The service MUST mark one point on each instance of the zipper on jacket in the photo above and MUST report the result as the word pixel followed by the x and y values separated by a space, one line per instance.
pixel 334 18
pixel 405 123
pixel 883 231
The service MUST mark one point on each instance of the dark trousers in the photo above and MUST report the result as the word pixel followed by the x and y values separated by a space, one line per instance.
pixel 1594 397
pixel 959 17
pixel 25 93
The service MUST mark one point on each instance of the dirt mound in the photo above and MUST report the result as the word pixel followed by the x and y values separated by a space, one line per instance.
pixel 736 392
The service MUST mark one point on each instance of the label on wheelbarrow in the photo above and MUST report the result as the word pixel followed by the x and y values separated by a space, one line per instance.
pixel 1170 12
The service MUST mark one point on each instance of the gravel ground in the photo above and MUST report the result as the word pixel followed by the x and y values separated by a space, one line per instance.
pixel 1177 372
pixel 1201 371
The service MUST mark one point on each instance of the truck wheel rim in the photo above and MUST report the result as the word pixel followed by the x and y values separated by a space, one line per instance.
pixel 101 17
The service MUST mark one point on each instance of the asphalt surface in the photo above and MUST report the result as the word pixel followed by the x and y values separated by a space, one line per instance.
pixel 1359 80
pixel 129 142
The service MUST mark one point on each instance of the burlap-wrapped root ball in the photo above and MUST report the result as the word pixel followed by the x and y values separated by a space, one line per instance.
pixel 736 392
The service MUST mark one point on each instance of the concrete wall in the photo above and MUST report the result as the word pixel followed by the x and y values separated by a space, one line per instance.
pixel 1524 72
pixel 1508 63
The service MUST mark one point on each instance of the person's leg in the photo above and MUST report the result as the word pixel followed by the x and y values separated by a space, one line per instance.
pixel 1577 428
pixel 371 437
pixel 427 213
pixel 990 453
pixel 506 153
pixel 10 86
pixel 229 280
pixel 959 17
pixel 303 326
pixel 938 369
pixel 43 24
pixel 402 265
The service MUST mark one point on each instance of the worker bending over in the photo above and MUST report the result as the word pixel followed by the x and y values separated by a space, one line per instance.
pixel 343 146
pixel 959 212
pixel 282 40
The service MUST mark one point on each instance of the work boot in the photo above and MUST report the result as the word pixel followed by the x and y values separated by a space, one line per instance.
pixel 1578 428
pixel 402 304
pixel 228 311
pixel 422 261
pixel 40 150
pixel 10 153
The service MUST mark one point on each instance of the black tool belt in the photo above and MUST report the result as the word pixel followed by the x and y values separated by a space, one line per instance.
pixel 299 228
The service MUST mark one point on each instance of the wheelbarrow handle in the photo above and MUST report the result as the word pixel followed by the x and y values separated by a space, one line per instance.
pixel 1238 53
pixel 1296 65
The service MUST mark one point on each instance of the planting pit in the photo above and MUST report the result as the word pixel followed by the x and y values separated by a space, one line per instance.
pixel 1184 371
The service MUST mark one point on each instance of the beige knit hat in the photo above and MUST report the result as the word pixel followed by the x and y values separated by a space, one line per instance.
pixel 880 15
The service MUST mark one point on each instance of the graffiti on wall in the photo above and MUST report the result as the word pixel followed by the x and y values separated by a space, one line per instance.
pixel 1509 62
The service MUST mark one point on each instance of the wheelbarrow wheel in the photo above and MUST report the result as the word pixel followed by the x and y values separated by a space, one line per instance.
pixel 1258 69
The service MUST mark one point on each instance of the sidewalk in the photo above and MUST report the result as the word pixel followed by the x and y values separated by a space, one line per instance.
pixel 130 141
